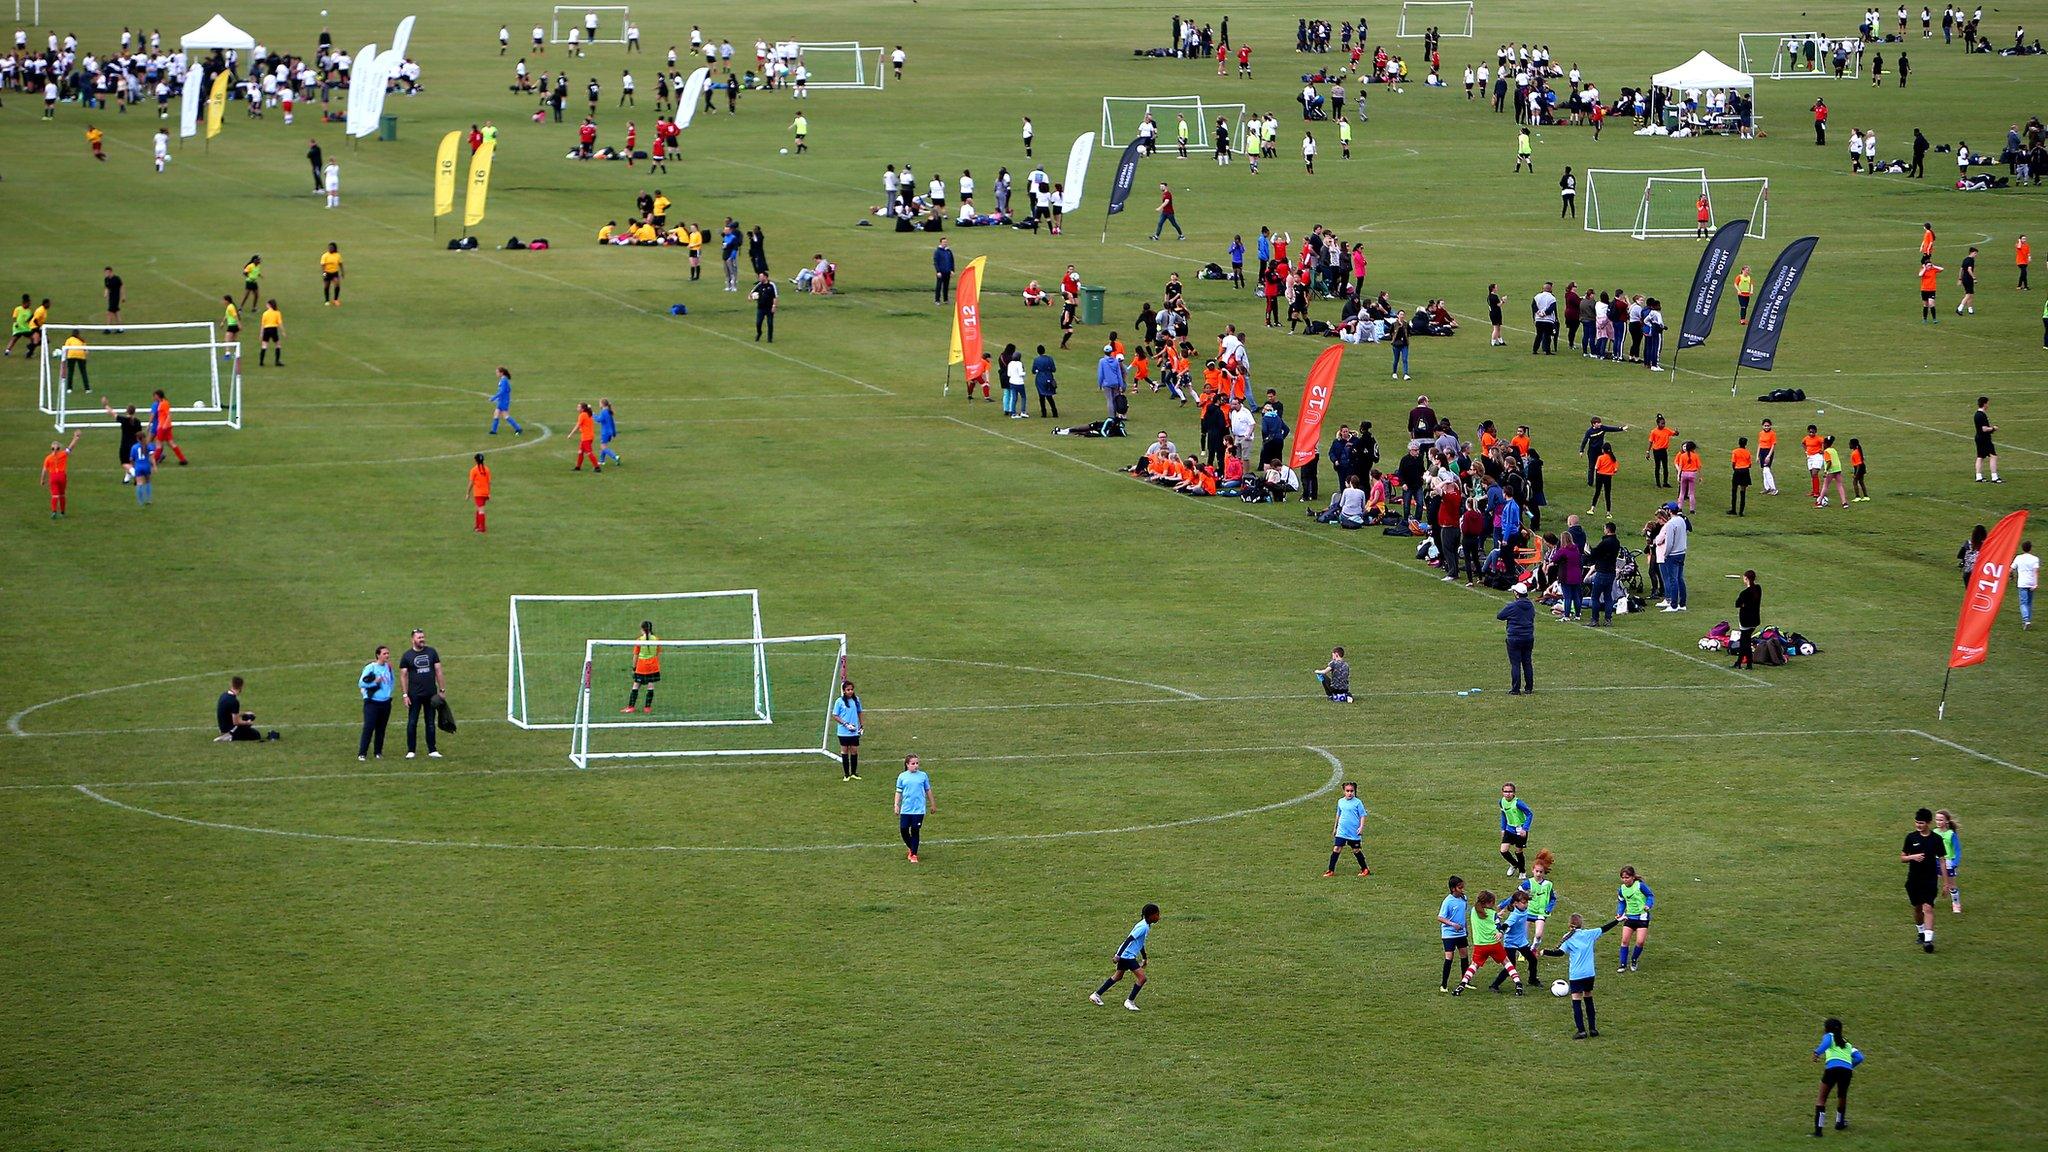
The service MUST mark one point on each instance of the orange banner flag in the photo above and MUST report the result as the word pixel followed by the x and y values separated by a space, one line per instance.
pixel 1315 402
pixel 967 317
pixel 1986 591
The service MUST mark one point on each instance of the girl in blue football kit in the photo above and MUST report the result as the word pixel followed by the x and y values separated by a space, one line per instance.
pixel 1632 904
pixel 501 404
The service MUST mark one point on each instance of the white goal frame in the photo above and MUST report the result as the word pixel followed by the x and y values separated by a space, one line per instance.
pixel 558 34
pixel 1402 32
pixel 1758 207
pixel 221 408
pixel 516 712
pixel 581 755
pixel 864 79
pixel 1613 223
pixel 1787 48
pixel 1197 108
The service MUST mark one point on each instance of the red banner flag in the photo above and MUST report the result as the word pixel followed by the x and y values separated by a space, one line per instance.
pixel 967 318
pixel 1986 591
pixel 1315 401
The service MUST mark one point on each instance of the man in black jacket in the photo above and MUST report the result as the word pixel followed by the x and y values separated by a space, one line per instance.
pixel 1520 616
pixel 1749 616
pixel 1409 471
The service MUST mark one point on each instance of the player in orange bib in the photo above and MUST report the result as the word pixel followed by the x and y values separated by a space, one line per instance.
pixel 57 473
pixel 480 488
pixel 646 667
pixel 586 439
pixel 1703 209
pixel 1767 455
pixel 1930 280
pixel 1813 442
pixel 160 429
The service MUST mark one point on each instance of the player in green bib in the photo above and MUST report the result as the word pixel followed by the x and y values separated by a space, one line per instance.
pixel 1516 819
pixel 1951 857
pixel 1542 899
pixel 1841 1058
pixel 1484 931
pixel 1632 904
pixel 20 325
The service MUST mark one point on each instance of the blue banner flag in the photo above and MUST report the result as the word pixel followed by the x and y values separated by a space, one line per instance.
pixel 1126 174
pixel 1767 321
pixel 1708 281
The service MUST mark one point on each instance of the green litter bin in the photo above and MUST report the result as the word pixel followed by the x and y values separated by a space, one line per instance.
pixel 1091 304
pixel 387 128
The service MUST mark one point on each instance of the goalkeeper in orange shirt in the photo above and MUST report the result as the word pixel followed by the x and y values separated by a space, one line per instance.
pixel 646 668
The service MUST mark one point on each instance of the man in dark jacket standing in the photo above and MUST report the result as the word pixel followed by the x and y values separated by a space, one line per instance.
pixel 1520 615
pixel 942 267
pixel 1749 616
pixel 319 164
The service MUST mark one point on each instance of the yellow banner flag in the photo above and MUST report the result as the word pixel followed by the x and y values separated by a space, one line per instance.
pixel 216 105
pixel 479 184
pixel 444 174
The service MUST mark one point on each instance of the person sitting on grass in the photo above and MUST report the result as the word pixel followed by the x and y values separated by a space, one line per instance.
pixel 1335 677
pixel 1347 506
pixel 1200 480
pixel 235 725
pixel 1035 296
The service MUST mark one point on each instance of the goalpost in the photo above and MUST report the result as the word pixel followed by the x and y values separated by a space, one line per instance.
pixel 1670 205
pixel 1448 17
pixel 1625 188
pixel 841 64
pixel 200 374
pixel 611 23
pixel 1121 116
pixel 759 696
pixel 1782 55
pixel 548 635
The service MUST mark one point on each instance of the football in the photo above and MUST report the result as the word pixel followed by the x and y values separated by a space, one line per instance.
pixel 1560 988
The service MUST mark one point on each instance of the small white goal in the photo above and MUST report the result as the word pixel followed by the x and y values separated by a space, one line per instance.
pixel 1798 55
pixel 748 696
pixel 547 638
pixel 198 372
pixel 1671 206
pixel 843 64
pixel 1448 17
pixel 594 23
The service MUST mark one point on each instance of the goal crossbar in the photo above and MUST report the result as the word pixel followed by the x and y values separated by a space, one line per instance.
pixel 198 395
pixel 1431 13
pixel 1781 55
pixel 1138 106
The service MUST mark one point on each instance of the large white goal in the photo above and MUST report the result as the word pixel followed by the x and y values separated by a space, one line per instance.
pixel 758 696
pixel 1614 196
pixel 1671 205
pixel 1784 55
pixel 197 371
pixel 1448 17
pixel 612 20
pixel 839 63
pixel 548 635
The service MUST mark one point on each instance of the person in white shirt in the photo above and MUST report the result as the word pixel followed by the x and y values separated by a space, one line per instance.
pixel 966 188
pixel 936 192
pixel 1468 81
pixel 802 75
pixel 889 185
pixel 1308 152
pixel 162 148
pixel 896 60
pixel 590 26
pixel 504 38
pixel 696 38
pixel 1027 136
pixel 2026 576
pixel 575 41
pixel 331 178
pixel 632 37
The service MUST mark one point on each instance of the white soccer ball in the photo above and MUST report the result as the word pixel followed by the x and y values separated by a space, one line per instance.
pixel 783 151
pixel 1560 988
pixel 1709 644
pixel 1806 649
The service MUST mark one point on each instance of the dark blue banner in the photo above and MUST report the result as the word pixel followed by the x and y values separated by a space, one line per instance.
pixel 1767 321
pixel 1126 175
pixel 1707 282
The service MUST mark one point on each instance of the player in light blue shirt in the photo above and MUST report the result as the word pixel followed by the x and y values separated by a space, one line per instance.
pixel 913 803
pixel 1514 936
pixel 607 431
pixel 1130 957
pixel 846 718
pixel 1580 945
pixel 1349 831
pixel 501 404
pixel 1450 916
pixel 375 682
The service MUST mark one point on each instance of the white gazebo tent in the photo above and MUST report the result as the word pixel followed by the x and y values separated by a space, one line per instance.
pixel 217 33
pixel 1703 73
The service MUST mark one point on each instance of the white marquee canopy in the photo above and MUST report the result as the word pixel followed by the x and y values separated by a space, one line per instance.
pixel 217 33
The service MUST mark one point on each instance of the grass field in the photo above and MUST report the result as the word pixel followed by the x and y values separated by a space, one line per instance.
pixel 277 947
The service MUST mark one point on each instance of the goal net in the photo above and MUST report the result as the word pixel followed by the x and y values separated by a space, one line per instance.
pixel 200 374
pixel 1122 116
pixel 762 696
pixel 548 635
pixel 841 64
pixel 1448 17
pixel 1614 196
pixel 611 23
pixel 1797 55
pixel 1671 205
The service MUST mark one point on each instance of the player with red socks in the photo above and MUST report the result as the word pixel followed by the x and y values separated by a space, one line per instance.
pixel 480 488
pixel 586 439
pixel 57 473
pixel 1484 932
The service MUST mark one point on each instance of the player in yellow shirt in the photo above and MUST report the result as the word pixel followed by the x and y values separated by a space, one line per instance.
pixel 19 328
pixel 696 242
pixel 330 276
pixel 661 204
pixel 36 320
pixel 251 273
pixel 273 334
pixel 74 362
pixel 96 139
pixel 231 320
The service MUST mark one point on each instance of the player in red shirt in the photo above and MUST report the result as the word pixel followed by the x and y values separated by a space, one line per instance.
pixel 57 473
pixel 1244 62
pixel 632 138
pixel 160 429
pixel 586 439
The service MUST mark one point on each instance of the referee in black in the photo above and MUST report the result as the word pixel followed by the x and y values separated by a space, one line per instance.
pixel 763 297
pixel 376 684
pixel 419 676
pixel 1921 854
